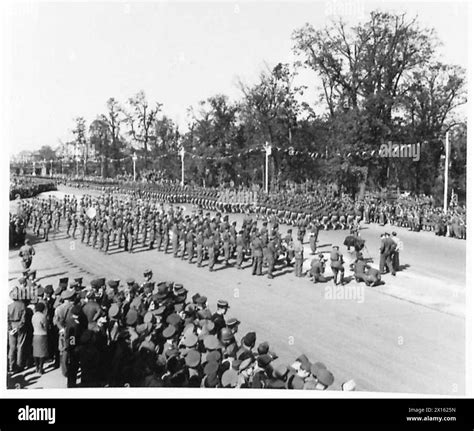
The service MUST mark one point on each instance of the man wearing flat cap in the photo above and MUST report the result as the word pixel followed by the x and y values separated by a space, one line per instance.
pixel 75 325
pixel 218 316
pixel 247 344
pixel 263 371
pixel 92 311
pixel 148 274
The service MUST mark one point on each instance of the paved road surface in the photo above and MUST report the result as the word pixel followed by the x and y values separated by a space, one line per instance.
pixel 406 336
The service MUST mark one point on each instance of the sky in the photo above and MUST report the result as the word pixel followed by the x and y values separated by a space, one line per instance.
pixel 64 60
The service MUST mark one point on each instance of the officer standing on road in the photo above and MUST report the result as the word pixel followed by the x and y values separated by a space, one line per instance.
pixel 239 249
pixel 337 265
pixel 396 253
pixel 257 254
pixel 271 256
pixel 299 257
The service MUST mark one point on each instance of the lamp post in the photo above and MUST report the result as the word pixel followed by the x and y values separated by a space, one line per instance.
pixel 51 168
pixel 268 152
pixel 447 151
pixel 134 159
pixel 446 173
pixel 181 153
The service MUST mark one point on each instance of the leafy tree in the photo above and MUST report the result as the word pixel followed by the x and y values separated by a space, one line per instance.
pixel 141 120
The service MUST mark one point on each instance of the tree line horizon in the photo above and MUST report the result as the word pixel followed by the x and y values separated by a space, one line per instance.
pixel 381 82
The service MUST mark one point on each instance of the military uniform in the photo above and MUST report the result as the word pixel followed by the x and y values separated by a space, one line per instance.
pixel 337 265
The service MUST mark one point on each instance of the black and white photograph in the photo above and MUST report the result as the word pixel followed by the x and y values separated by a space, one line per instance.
pixel 236 195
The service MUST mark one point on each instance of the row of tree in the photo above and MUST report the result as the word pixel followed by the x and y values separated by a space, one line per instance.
pixel 381 81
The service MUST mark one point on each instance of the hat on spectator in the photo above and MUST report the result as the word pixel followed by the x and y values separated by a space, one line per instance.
pixel 201 300
pixel 173 319
pixel 190 339
pixel 169 331
pixel 211 342
pixel 149 317
pixel 68 293
pixel 230 378
pixel 222 304
pixel 131 317
pixel 95 283
pixel 113 283
pixel 233 322
pixel 249 339
pixel 226 335
pixel 193 358
pixel 263 348
pixel 48 289
pixel 316 367
pixel 325 377
pixel 264 360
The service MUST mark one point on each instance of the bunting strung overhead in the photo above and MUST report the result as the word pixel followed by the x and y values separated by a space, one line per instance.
pixel 288 151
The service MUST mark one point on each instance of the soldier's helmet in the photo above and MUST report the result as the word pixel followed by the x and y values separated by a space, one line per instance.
pixel 226 335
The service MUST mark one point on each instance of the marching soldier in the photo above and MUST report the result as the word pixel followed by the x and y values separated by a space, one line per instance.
pixel 226 246
pixel 209 245
pixel 46 224
pixel 199 248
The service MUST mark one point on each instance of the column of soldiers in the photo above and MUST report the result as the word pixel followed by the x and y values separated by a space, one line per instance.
pixel 333 210
pixel 141 220
pixel 148 334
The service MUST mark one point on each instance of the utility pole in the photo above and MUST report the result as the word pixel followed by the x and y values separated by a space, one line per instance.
pixel 181 153
pixel 446 174
pixel 268 152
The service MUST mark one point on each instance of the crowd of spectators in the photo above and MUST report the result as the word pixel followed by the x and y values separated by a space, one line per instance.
pixel 114 334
